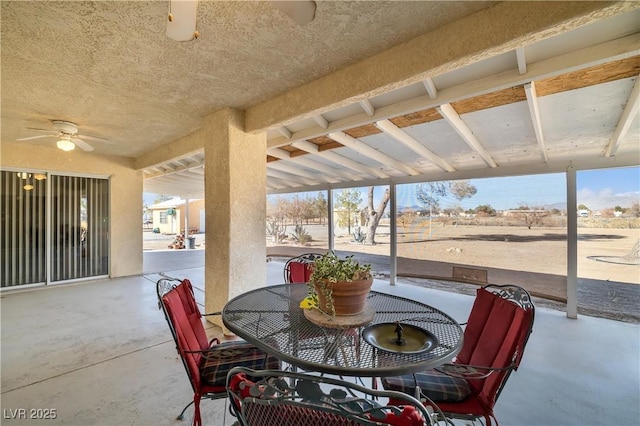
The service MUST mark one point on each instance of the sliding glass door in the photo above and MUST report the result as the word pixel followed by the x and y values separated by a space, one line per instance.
pixel 62 219
pixel 23 205
pixel 80 227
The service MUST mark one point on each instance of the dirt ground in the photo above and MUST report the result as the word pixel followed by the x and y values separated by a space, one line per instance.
pixel 541 250
pixel 608 290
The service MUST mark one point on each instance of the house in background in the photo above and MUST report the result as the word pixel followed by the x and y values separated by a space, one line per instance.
pixel 170 216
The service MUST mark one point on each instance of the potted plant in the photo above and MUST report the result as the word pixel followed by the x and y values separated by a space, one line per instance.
pixel 339 286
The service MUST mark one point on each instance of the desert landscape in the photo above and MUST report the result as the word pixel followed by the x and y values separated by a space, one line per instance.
pixel 609 279
pixel 540 250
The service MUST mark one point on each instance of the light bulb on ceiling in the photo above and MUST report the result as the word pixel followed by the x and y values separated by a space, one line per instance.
pixel 65 145
pixel 24 175
pixel 39 176
pixel 28 187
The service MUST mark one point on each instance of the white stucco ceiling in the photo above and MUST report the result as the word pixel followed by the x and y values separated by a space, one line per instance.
pixel 109 67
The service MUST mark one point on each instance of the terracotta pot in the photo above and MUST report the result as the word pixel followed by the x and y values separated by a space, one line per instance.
pixel 349 297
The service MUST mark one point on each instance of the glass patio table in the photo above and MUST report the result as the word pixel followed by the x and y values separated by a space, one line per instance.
pixel 271 318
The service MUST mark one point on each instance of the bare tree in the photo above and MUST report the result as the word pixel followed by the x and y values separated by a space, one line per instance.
pixel 373 216
pixel 406 218
pixel 430 193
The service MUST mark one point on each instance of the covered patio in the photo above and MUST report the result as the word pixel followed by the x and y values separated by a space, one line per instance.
pixel 371 93
pixel 103 355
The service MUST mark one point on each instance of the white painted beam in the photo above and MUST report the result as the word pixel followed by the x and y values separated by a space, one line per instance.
pixel 431 88
pixel 321 121
pixel 534 110
pixel 367 107
pixel 628 114
pixel 283 183
pixel 310 164
pixel 279 153
pixel 621 48
pixel 288 178
pixel 165 169
pixel 452 117
pixel 364 149
pixel 627 160
pixel 285 132
pixel 339 159
pixel 404 138
pixel 288 167
pixel 522 61
pixel 271 184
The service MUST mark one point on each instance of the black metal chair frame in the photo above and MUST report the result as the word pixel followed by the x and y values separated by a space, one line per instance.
pixel 303 258
pixel 273 392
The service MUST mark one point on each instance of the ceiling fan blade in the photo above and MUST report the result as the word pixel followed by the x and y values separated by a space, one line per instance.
pixel 82 144
pixel 301 12
pixel 95 139
pixel 35 137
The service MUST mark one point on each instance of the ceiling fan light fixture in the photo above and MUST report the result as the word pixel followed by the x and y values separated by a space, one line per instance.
pixel 181 21
pixel 65 145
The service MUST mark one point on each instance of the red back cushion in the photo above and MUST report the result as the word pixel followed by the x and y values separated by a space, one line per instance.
pixel 496 330
pixel 300 271
pixel 185 291
pixel 188 336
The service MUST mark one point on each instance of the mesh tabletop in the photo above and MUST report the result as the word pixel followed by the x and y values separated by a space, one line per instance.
pixel 271 318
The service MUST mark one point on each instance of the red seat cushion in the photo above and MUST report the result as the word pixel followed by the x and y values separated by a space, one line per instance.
pixel 435 385
pixel 221 358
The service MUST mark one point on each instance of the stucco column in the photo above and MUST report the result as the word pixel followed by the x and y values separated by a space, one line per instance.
pixel 235 209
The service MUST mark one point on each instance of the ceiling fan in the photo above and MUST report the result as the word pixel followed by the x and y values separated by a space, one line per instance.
pixel 67 135
pixel 181 25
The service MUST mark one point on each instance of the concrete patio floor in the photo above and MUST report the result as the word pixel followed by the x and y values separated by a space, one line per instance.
pixel 100 353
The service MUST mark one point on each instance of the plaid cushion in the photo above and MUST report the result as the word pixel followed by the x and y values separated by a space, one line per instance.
pixel 221 358
pixel 437 386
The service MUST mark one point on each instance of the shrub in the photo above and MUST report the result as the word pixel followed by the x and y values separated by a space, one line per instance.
pixel 301 236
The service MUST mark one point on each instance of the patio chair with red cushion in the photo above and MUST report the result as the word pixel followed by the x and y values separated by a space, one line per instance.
pixel 207 362
pixel 298 269
pixel 495 337
pixel 276 398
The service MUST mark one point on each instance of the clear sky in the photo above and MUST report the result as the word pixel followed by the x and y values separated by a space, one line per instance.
pixel 597 189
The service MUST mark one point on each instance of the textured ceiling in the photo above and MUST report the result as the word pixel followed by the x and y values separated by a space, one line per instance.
pixel 109 67
pixel 561 95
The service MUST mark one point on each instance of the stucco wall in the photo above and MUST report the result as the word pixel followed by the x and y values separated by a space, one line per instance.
pixel 235 184
pixel 125 192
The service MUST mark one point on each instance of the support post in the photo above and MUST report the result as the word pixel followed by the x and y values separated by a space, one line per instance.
pixel 572 245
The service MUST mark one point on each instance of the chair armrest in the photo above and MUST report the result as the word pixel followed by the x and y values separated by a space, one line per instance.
pixel 469 372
